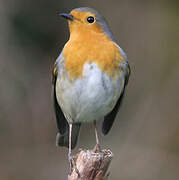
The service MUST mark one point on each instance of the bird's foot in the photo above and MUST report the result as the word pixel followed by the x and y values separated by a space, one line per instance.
pixel 73 166
pixel 97 148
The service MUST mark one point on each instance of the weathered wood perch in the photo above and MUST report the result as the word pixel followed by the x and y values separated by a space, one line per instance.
pixel 92 165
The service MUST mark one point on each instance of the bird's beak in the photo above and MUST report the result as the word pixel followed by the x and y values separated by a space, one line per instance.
pixel 67 16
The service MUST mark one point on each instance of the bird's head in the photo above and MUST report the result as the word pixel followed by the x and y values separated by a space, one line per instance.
pixel 87 20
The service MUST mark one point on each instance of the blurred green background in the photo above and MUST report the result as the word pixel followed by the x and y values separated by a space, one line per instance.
pixel 145 136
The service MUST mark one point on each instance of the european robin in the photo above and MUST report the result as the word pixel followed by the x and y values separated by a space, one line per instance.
pixel 89 77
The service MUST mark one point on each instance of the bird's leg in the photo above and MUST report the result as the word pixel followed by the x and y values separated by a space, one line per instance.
pixel 97 147
pixel 72 164
pixel 69 148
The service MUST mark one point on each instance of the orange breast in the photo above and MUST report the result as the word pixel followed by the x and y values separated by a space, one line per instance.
pixel 91 47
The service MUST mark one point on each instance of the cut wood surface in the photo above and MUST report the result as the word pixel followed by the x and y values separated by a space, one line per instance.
pixel 91 165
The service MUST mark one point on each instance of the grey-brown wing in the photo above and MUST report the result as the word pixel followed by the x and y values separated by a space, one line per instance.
pixel 62 123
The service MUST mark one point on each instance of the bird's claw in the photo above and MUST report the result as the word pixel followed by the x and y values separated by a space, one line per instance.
pixel 97 148
pixel 73 166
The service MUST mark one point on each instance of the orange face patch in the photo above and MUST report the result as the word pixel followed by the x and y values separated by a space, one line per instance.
pixel 81 22
pixel 88 43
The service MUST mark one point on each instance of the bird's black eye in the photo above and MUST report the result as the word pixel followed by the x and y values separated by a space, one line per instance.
pixel 90 19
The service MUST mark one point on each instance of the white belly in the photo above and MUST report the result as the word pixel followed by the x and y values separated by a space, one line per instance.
pixel 89 98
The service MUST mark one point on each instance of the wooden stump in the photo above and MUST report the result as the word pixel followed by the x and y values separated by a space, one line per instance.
pixel 91 165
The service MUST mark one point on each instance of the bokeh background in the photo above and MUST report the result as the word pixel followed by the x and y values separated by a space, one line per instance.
pixel 145 136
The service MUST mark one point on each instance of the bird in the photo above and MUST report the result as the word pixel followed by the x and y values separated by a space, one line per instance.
pixel 89 77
